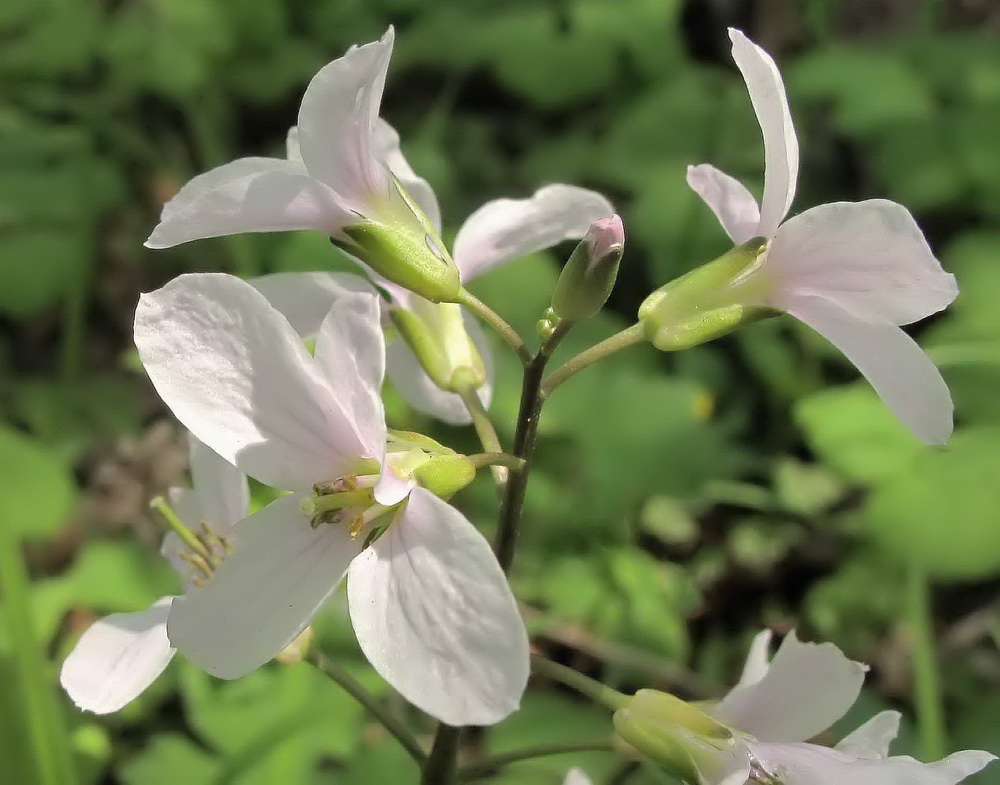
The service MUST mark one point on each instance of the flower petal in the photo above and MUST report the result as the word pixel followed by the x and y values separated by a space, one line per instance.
pixel 387 150
pixel 305 299
pixel 758 659
pixel 806 689
pixel 117 658
pixel 507 229
pixel 903 376
pixel 413 383
pixel 436 618
pixel 249 195
pixel 265 593
pixel 350 350
pixel 808 764
pixel 337 121
pixel 222 489
pixel 781 148
pixel 868 257
pixel 236 374
pixel 728 198
pixel 577 777
pixel 872 739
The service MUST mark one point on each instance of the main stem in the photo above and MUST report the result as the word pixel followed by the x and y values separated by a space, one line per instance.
pixel 926 679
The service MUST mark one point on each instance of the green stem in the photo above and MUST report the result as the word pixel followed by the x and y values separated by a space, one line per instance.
pixel 393 724
pixel 442 763
pixel 75 322
pixel 48 736
pixel 495 321
pixel 496 459
pixel 627 337
pixel 486 432
pixel 593 689
pixel 926 678
pixel 491 765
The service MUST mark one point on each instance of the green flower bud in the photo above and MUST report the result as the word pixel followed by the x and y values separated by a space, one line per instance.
pixel 589 276
pixel 402 245
pixel 705 303
pixel 446 475
pixel 436 334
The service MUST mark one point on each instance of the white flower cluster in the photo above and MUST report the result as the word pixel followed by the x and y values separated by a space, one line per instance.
pixel 280 379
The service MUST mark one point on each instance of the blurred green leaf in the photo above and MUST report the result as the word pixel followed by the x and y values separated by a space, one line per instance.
pixel 37 490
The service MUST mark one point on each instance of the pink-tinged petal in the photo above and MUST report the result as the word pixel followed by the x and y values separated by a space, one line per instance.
pixel 350 351
pixel 507 229
pixel 392 487
pixel 265 593
pixel 305 299
pixel 781 147
pixel 337 121
pixel 117 658
pixel 435 616
pixel 868 257
pixel 249 195
pixel 758 659
pixel 806 689
pixel 388 151
pixel 413 383
pixel 577 777
pixel 236 374
pixel 872 739
pixel 903 376
pixel 808 764
pixel 728 198
pixel 221 488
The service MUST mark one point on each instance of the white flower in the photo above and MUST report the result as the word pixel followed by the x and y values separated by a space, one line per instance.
pixel 806 688
pixel 431 608
pixel 853 271
pixel 577 777
pixel 120 655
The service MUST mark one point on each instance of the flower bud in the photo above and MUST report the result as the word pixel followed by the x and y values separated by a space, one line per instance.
pixel 675 734
pixel 707 302
pixel 436 334
pixel 589 276
pixel 445 475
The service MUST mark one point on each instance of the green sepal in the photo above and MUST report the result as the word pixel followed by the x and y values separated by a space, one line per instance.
pixel 707 302
pixel 423 343
pixel 446 475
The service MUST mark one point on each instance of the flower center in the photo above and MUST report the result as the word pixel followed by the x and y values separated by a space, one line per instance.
pixel 202 549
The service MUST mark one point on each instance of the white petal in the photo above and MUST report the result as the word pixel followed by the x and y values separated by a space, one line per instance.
pixel 117 658
pixel 305 299
pixel 337 121
pixel 869 257
pixel 293 151
pixel 781 148
pixel 808 764
pixel 280 572
pixel 807 688
pixel 758 659
pixel 249 195
pixel 350 350
pixel 507 229
pixel 387 150
pixel 392 487
pixel 236 374
pixel 905 378
pixel 872 739
pixel 413 383
pixel 728 198
pixel 221 488
pixel 436 618
pixel 577 777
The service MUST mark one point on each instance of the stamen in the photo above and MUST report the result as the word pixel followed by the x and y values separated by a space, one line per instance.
pixel 372 513
pixel 198 562
pixel 190 539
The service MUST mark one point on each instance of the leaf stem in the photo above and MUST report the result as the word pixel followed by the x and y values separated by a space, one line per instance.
pixel 47 733
pixel 496 459
pixel 627 337
pixel 393 724
pixel 486 432
pixel 926 678
pixel 495 321
pixel 489 766
pixel 593 689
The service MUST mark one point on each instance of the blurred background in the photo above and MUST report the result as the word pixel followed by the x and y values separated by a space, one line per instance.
pixel 679 502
